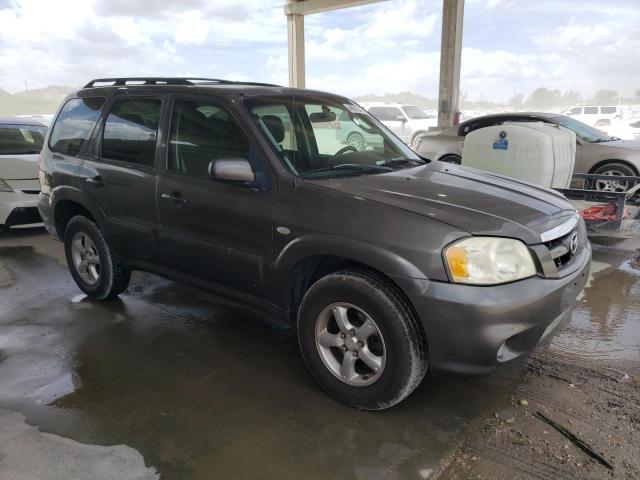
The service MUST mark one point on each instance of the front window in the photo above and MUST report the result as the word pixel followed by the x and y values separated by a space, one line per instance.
pixel 317 137
pixel 415 113
pixel 584 132
pixel 21 139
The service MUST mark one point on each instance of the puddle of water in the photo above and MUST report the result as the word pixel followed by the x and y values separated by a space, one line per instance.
pixel 605 324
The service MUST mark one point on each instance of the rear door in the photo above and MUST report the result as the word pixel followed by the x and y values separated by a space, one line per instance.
pixel 121 175
pixel 219 231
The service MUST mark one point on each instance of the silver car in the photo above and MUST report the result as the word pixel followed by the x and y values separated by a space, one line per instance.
pixel 596 152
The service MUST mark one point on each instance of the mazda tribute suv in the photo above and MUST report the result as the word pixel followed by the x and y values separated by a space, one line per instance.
pixel 388 264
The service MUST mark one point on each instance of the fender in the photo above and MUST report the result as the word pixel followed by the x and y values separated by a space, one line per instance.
pixel 67 192
pixel 306 246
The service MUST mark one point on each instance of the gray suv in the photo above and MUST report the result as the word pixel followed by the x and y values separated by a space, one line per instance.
pixel 387 264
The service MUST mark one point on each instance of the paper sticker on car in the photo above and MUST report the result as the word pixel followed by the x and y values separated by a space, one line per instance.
pixel 502 143
pixel 354 108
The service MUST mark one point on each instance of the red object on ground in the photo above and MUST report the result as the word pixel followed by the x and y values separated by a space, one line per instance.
pixel 605 213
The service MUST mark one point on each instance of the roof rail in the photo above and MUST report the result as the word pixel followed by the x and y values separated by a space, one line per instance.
pixel 123 81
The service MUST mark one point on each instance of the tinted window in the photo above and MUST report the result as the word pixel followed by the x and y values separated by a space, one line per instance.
pixel 200 133
pixel 590 110
pixel 131 129
pixel 386 114
pixel 74 124
pixel 608 109
pixel 21 139
pixel 575 111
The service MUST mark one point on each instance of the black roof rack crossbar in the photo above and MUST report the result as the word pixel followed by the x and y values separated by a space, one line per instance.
pixel 123 81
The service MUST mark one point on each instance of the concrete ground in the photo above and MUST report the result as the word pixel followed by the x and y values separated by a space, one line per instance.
pixel 171 381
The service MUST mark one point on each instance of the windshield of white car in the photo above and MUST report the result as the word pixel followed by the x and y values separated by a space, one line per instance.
pixel 21 139
pixel 320 137
pixel 415 113
pixel 584 132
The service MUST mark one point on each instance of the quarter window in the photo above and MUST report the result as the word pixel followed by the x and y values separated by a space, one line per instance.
pixel 608 109
pixel 131 129
pixel 200 133
pixel 74 124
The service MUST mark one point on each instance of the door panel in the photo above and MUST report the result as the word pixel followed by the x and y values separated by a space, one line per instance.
pixel 123 179
pixel 219 231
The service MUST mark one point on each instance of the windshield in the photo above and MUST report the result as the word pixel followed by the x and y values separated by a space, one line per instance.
pixel 584 132
pixel 21 139
pixel 414 112
pixel 318 137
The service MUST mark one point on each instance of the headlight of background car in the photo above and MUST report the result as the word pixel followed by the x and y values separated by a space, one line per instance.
pixel 4 186
pixel 489 260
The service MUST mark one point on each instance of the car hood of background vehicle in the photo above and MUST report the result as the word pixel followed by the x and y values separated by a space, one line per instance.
pixel 18 167
pixel 478 202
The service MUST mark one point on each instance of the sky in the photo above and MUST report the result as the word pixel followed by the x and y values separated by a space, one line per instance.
pixel 393 46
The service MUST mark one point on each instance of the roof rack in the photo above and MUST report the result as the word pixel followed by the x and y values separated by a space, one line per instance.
pixel 124 81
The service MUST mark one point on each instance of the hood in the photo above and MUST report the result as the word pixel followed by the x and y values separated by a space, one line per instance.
pixel 19 167
pixel 478 202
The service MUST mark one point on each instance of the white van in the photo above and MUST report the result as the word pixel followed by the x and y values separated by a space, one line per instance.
pixel 595 115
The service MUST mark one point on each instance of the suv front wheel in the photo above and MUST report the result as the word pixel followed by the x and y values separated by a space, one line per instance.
pixel 93 267
pixel 360 340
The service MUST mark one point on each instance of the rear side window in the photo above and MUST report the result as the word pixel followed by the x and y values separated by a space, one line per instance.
pixel 74 124
pixel 131 129
pixel 21 139
pixel 590 110
pixel 608 109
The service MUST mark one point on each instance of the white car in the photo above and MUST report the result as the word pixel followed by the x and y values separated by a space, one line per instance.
pixel 595 115
pixel 21 140
pixel 626 130
pixel 406 121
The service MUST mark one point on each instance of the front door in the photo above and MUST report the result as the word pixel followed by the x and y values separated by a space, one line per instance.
pixel 121 177
pixel 219 231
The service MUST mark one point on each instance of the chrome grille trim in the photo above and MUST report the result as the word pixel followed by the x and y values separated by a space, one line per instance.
pixel 560 230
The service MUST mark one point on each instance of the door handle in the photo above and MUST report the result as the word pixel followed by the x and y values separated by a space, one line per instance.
pixel 97 181
pixel 174 197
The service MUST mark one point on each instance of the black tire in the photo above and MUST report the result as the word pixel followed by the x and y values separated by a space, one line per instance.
pixel 113 278
pixel 451 158
pixel 406 358
pixel 613 168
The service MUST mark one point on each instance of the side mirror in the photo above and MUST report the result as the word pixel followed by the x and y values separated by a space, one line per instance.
pixel 400 118
pixel 232 170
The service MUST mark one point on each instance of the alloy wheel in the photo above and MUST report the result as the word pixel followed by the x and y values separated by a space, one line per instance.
pixel 86 259
pixel 350 344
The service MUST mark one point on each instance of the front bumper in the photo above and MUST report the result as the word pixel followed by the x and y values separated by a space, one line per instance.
pixel 472 330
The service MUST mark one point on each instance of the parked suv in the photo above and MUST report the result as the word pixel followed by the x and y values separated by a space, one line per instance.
pixel 387 264
pixel 595 115
pixel 406 121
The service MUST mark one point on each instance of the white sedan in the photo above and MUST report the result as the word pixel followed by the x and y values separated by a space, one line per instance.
pixel 21 140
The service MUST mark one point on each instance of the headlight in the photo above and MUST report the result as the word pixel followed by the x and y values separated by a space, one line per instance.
pixel 4 186
pixel 489 260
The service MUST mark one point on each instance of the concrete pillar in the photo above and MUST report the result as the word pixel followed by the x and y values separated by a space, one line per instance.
pixel 450 52
pixel 295 28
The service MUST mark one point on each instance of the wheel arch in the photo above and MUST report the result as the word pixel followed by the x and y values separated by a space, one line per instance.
pixel 68 202
pixel 304 261
pixel 602 163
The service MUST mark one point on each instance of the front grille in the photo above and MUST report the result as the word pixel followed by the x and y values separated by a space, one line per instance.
pixel 560 248
pixel 23 216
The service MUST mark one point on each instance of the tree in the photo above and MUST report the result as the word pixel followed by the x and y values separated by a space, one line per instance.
pixel 605 96
pixel 543 97
pixel 571 97
pixel 516 101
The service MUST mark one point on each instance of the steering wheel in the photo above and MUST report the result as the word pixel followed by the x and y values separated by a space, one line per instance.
pixel 344 150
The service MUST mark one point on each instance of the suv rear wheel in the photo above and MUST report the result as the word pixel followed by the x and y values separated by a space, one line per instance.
pixel 360 340
pixel 93 267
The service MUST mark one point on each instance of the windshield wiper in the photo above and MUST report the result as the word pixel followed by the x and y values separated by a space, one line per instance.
pixel 351 166
pixel 402 160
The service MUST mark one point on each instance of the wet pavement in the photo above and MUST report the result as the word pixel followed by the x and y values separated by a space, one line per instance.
pixel 203 389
